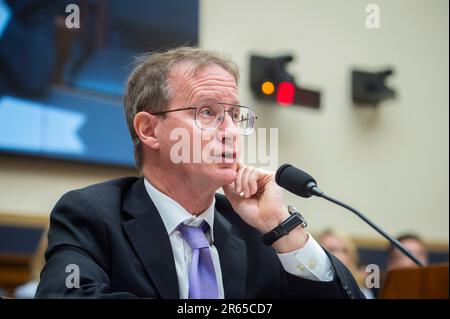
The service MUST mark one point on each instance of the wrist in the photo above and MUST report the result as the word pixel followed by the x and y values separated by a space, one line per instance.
pixel 277 220
pixel 295 240
pixel 288 234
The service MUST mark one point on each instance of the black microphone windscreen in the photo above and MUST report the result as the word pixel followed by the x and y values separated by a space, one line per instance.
pixel 294 180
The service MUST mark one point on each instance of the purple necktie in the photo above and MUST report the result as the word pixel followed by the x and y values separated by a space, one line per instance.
pixel 202 278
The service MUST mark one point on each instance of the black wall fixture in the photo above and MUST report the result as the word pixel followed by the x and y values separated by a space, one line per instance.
pixel 270 81
pixel 369 88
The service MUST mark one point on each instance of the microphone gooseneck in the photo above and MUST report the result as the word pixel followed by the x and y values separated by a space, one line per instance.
pixel 302 184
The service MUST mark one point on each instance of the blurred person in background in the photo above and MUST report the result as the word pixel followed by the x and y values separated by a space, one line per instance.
pixel 341 246
pixel 28 290
pixel 415 244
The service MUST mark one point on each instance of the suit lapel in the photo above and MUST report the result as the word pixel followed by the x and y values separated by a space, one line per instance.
pixel 233 258
pixel 147 234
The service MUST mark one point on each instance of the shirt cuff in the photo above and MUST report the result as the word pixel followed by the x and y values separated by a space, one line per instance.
pixel 5 16
pixel 310 262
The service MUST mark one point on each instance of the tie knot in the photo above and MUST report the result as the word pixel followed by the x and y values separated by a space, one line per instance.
pixel 195 236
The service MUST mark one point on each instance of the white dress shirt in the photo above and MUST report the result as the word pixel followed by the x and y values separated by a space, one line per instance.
pixel 309 262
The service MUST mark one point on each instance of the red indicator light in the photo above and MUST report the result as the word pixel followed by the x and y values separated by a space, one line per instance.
pixel 285 93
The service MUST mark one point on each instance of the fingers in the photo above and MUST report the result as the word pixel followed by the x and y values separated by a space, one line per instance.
pixel 253 182
pixel 246 181
pixel 238 179
pixel 229 191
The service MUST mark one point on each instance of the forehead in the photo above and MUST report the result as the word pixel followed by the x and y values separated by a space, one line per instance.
pixel 413 244
pixel 209 82
pixel 333 240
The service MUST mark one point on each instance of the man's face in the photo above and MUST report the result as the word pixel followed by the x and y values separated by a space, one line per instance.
pixel 212 154
pixel 335 246
pixel 399 260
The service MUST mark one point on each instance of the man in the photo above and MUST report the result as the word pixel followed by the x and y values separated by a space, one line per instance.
pixel 168 234
pixel 397 259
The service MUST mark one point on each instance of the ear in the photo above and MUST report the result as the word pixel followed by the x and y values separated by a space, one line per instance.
pixel 145 125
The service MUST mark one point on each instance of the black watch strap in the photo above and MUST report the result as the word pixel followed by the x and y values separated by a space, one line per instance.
pixel 285 227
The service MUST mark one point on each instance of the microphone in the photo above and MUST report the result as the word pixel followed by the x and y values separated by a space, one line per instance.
pixel 302 184
pixel 295 180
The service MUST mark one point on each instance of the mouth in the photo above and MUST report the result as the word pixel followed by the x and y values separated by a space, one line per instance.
pixel 228 157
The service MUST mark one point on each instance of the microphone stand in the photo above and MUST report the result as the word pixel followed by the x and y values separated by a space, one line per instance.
pixel 317 192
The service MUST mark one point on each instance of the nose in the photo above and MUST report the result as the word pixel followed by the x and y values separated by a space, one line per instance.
pixel 228 131
pixel 228 122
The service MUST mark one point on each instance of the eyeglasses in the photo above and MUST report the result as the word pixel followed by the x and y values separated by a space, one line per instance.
pixel 210 115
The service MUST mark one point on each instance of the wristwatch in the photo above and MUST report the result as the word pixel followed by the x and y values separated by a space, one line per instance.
pixel 285 227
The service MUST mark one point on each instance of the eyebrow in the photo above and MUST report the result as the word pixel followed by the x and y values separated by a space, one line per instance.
pixel 230 105
pixel 214 97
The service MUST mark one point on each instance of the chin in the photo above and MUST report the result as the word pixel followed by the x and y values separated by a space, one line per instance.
pixel 222 174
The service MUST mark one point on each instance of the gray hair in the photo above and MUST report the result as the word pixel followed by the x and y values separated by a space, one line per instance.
pixel 148 89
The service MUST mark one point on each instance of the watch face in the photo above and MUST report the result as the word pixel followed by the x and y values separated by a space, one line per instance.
pixel 292 222
pixel 285 227
pixel 292 210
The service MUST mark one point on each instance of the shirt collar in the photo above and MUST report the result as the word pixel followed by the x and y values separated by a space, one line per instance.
pixel 174 214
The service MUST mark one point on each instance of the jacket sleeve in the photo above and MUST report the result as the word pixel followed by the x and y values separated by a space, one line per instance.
pixel 343 285
pixel 78 254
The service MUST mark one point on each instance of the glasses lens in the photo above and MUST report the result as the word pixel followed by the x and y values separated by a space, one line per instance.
pixel 208 116
pixel 244 119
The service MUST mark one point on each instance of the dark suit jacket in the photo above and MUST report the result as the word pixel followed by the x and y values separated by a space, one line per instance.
pixel 113 232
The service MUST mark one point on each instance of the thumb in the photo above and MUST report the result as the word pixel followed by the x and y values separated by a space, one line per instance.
pixel 229 192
